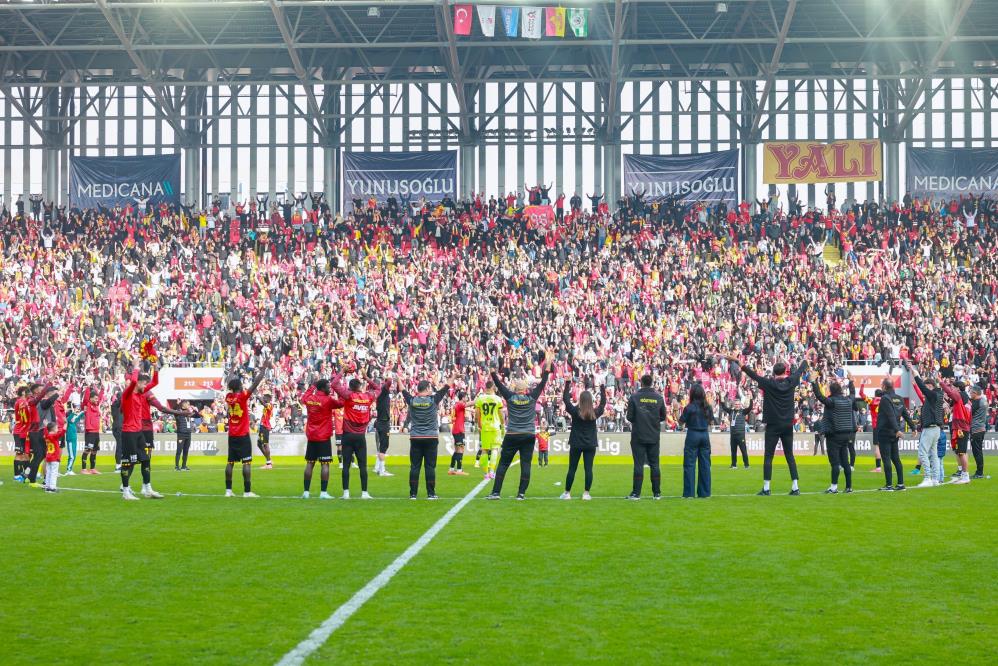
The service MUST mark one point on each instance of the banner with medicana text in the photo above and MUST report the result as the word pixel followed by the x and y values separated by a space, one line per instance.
pixel 952 172
pixel 123 181
pixel 806 162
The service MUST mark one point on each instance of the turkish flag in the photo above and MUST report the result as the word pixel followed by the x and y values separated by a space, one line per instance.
pixel 462 19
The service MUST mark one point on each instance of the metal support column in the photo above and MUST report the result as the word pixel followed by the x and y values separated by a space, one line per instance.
pixel 51 143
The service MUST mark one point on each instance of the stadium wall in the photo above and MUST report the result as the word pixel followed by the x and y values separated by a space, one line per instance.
pixel 610 444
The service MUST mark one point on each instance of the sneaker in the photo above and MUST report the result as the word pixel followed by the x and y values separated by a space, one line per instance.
pixel 346 494
pixel 795 492
pixel 229 493
pixel 831 491
pixel 763 493
pixel 94 471
pixel 490 496
pixel 69 472
pixel 478 463
pixel 566 496
pixel 915 472
pixel 412 497
pixel 385 472
pixel 306 495
pixel 977 476
pixel 733 467
pixel 249 494
pixel 149 493
pixel 325 495
pixel 492 476
pixel 460 472
pixel 182 469
pixel 267 466
pixel 586 496
pixel 451 472
pixel 520 496
pixel 365 495
pixel 18 479
pixel 341 465
pixel 634 497
pixel 746 467
pixel 877 470
pixel 848 491
pixel 128 494
pixel 961 480
pixel 432 497
pixel 887 489
pixel 956 475
pixel 899 487
pixel 926 483
pixel 354 466
pixel 176 469
pixel 117 468
pixel 51 490
pixel 657 497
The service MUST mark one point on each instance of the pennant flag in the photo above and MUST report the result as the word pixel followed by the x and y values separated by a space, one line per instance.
pixel 487 19
pixel 462 19
pixel 531 23
pixel 578 19
pixel 555 21
pixel 511 20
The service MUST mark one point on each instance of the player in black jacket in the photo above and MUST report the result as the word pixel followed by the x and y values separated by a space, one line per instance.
pixel 646 412
pixel 778 415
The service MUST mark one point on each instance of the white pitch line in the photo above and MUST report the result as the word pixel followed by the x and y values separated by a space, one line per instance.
pixel 321 634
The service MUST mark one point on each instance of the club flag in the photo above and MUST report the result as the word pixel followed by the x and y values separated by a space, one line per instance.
pixel 511 20
pixel 554 21
pixel 462 19
pixel 487 19
pixel 532 18
pixel 578 19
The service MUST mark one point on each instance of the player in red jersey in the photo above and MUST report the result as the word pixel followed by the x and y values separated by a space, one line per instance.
pixel 37 397
pixel 92 402
pixel 319 406
pixel 133 448
pixel 22 421
pixel 263 435
pixel 457 429
pixel 357 411
pixel 240 445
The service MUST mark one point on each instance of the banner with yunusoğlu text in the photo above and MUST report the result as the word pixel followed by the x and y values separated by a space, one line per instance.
pixel 403 175
pixel 952 172
pixel 707 177
pixel 799 162
pixel 119 181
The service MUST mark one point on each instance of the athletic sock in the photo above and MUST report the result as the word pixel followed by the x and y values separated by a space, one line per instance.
pixel 834 486
pixel 453 460
pixel 93 461
pixel 247 477
pixel 765 485
pixel 323 484
pixel 460 460
pixel 793 486
pixel 879 462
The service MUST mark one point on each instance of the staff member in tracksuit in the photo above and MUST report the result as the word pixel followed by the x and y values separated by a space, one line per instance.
pixel 697 417
pixel 183 437
pixel 646 413
pixel 930 421
pixel 424 435
pixel 890 412
pixel 116 423
pixel 978 424
pixel 521 433
pixel 840 428
pixel 739 413
pixel 778 415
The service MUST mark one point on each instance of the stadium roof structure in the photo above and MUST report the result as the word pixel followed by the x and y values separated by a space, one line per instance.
pixel 209 42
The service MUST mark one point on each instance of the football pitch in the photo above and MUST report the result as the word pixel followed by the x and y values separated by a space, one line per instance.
pixel 198 578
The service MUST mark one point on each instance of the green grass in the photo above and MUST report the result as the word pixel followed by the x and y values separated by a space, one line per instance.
pixel 870 577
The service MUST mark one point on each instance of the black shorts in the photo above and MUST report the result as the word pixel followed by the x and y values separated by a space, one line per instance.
pixel 91 441
pixel 240 448
pixel 264 436
pixel 339 439
pixel 459 439
pixel 19 445
pixel 961 443
pixel 133 448
pixel 149 438
pixel 319 451
pixel 382 441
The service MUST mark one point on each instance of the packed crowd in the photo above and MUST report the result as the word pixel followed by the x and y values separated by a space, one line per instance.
pixel 419 289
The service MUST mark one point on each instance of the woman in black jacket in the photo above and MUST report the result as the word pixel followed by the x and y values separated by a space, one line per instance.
pixel 697 416
pixel 582 441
